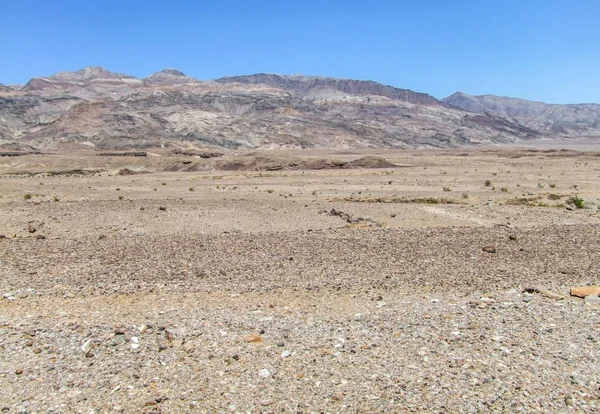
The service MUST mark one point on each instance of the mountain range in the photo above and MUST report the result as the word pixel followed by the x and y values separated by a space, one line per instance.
pixel 94 107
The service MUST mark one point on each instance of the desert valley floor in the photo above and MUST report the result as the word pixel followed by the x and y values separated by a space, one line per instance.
pixel 249 283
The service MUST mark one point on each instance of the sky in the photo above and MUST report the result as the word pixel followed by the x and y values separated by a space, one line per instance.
pixel 543 50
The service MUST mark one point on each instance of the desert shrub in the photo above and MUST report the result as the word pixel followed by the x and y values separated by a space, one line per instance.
pixel 576 200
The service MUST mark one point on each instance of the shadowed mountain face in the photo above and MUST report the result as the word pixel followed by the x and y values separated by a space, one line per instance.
pixel 102 109
pixel 547 118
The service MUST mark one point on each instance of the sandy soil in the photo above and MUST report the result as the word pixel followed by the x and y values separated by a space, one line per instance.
pixel 332 290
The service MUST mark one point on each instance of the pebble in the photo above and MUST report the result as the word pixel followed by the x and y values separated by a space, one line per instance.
pixel 286 354
pixel 253 338
pixel 264 373
pixel 584 291
pixel 87 346
pixel 489 249
pixel 592 299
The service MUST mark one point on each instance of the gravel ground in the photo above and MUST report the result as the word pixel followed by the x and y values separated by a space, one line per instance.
pixel 247 301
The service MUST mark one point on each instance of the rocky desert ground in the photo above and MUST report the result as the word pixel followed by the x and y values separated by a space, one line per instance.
pixel 300 281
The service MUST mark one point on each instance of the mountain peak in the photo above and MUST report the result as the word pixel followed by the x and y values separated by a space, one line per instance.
pixel 168 76
pixel 173 72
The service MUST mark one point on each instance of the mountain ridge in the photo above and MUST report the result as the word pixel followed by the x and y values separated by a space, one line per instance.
pixel 95 107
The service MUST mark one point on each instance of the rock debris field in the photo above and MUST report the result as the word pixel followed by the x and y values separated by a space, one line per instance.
pixel 420 288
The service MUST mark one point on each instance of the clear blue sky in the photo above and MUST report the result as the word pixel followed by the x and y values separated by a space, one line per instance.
pixel 546 50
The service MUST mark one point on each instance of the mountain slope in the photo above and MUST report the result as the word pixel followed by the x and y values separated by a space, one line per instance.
pixel 96 107
pixel 575 119
pixel 307 85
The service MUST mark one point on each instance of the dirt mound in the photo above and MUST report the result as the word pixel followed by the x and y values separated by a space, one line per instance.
pixel 261 163
pixel 371 162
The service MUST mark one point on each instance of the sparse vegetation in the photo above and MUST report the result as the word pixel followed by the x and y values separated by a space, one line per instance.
pixel 192 189
pixel 269 190
pixel 488 183
pixel 552 185
pixel 55 198
pixel 576 200
pixel 446 189
pixel 504 190
pixel 465 195
pixel 27 196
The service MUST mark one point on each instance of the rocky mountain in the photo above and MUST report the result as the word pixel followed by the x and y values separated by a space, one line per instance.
pixel 168 77
pixel 578 119
pixel 315 86
pixel 98 108
pixel 88 77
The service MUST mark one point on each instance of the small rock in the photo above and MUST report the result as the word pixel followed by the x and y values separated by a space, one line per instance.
pixel 592 299
pixel 286 354
pixel 120 331
pixel 512 237
pixel 162 208
pixel 31 229
pixel 264 373
pixel 253 338
pixel 337 397
pixel 582 292
pixel 551 295
pixel 489 249
pixel 18 371
pixel 87 346
pixel 40 237
pixel 37 350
